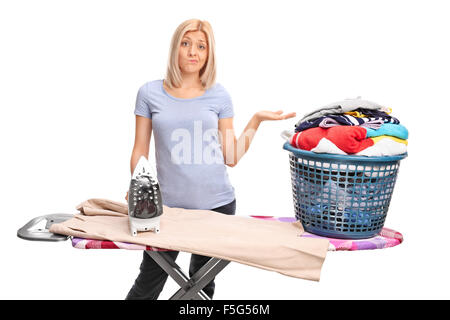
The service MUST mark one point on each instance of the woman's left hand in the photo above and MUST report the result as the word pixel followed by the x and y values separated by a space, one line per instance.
pixel 271 115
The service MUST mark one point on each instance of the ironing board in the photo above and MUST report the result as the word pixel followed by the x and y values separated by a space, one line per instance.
pixel 191 288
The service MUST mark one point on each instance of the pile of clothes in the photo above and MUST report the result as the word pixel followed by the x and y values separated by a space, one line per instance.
pixel 352 126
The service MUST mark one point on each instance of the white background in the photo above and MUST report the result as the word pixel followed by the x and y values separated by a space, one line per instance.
pixel 69 74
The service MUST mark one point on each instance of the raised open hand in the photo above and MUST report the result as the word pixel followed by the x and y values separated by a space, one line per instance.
pixel 274 115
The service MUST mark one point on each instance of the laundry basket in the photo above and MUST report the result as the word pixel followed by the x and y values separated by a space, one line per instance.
pixel 342 196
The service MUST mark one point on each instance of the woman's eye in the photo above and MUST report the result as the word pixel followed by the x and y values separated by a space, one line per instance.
pixel 184 43
pixel 202 47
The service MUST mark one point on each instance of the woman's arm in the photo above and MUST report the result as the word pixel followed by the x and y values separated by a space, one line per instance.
pixel 141 140
pixel 234 149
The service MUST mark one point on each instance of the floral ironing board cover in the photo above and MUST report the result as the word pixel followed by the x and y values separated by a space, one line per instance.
pixel 385 239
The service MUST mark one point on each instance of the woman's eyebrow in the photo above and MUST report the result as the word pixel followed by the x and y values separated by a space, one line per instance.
pixel 186 37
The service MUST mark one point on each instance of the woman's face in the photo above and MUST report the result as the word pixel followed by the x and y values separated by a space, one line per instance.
pixel 193 52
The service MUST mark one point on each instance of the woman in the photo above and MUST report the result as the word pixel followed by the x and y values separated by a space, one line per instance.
pixel 192 121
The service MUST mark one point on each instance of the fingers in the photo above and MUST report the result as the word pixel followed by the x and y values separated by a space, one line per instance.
pixel 286 116
pixel 277 115
pixel 289 115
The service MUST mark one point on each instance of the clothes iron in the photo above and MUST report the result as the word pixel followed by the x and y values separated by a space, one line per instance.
pixel 144 199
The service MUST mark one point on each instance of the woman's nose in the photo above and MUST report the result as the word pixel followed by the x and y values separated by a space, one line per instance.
pixel 192 51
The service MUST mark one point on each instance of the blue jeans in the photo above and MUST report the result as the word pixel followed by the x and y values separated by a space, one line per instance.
pixel 151 279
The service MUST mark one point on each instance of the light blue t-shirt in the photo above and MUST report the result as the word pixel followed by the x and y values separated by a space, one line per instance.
pixel 189 159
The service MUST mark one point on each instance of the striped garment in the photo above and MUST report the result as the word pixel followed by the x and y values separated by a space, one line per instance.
pixel 374 120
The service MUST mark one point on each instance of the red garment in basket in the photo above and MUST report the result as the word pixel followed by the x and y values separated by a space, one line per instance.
pixel 350 139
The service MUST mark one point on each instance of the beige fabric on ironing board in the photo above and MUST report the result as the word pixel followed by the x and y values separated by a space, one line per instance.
pixel 270 245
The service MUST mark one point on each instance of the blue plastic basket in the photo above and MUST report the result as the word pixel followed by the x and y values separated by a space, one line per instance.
pixel 342 196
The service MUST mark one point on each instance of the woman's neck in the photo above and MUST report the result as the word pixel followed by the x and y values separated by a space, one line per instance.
pixel 191 87
pixel 191 81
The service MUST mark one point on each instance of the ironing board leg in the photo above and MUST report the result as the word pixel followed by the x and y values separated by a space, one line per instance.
pixel 190 288
pixel 174 271
pixel 201 278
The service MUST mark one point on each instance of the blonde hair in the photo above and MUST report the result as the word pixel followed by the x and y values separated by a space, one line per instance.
pixel 208 72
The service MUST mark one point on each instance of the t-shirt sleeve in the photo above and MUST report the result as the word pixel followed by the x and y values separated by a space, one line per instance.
pixel 226 106
pixel 143 107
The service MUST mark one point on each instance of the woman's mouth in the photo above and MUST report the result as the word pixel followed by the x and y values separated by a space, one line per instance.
pixel 192 61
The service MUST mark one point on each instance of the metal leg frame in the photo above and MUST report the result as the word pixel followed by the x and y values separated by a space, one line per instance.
pixel 190 288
